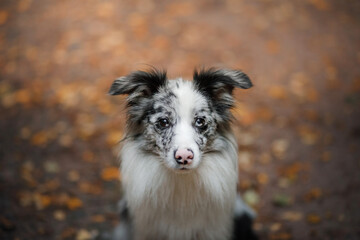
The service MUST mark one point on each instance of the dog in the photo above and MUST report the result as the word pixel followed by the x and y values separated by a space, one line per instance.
pixel 179 157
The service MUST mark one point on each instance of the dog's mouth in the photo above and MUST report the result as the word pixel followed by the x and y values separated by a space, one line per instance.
pixel 182 169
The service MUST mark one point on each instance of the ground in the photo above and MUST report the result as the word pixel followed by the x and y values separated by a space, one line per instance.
pixel 298 128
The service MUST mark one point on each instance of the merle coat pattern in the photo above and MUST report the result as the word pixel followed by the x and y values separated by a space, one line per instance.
pixel 179 156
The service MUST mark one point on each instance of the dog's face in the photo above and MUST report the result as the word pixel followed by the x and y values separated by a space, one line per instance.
pixel 178 120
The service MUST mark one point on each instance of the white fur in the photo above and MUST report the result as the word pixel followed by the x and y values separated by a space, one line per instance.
pixel 168 205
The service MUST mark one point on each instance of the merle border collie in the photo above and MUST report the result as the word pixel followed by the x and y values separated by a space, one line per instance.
pixel 179 157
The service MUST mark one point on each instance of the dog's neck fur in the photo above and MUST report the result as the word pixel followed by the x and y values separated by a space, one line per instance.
pixel 160 197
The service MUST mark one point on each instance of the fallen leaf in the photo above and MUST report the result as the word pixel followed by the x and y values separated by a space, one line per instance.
pixel 50 185
pixel 23 96
pixel 90 188
pixel 308 135
pixel 68 233
pixel 73 176
pixel 41 201
pixel 265 158
pixel 3 17
pixel 321 5
pixel 23 5
pixel 25 198
pixel 292 171
pixel 312 115
pixel 88 156
pixel 275 227
pixel 355 85
pixel 278 92
pixel 244 115
pixel 25 133
pixel 262 178
pixel 300 86
pixel 251 197
pixel 280 236
pixel 279 147
pixel 51 166
pixel 105 9
pixel 26 171
pixel 114 137
pixel 59 215
pixel 83 234
pixel 284 182
pixel 282 200
pixel 98 218
pixel 244 160
pixel 39 138
pixel 292 216
pixel 66 140
pixel 6 224
pixel 110 173
pixel 325 156
pixel 264 114
pixel 74 203
pixel 313 194
pixel 312 95
pixel 313 218
pixel 8 100
pixel 272 46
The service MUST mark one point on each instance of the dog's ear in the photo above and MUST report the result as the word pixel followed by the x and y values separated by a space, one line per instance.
pixel 139 83
pixel 218 86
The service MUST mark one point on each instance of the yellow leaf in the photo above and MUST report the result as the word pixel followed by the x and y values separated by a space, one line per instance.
pixel 114 137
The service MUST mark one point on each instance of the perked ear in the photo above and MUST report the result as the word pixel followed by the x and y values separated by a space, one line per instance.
pixel 210 80
pixel 139 83
pixel 218 86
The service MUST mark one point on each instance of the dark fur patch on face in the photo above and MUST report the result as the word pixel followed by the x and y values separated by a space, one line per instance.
pixel 140 87
pixel 218 86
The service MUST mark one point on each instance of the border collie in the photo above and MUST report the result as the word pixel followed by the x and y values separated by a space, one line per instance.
pixel 179 156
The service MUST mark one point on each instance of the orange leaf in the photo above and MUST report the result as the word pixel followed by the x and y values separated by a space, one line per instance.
pixel 74 203
pixel 110 173
pixel 313 218
pixel 277 92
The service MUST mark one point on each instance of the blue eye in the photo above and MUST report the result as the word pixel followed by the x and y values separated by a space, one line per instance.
pixel 163 123
pixel 200 123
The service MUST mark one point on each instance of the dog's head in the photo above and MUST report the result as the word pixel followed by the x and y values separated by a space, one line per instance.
pixel 178 120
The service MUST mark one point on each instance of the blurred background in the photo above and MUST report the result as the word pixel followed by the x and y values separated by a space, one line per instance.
pixel 298 128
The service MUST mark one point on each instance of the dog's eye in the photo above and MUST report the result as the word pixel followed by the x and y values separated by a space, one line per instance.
pixel 163 123
pixel 200 123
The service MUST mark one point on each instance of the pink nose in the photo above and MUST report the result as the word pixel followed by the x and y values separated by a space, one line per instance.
pixel 184 156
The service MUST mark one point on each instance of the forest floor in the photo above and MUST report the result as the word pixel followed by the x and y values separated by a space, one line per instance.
pixel 298 128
